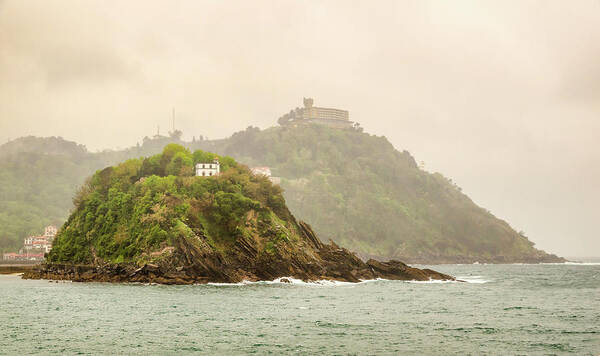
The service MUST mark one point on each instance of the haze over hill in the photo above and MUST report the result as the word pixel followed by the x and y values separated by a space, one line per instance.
pixel 502 97
pixel 354 187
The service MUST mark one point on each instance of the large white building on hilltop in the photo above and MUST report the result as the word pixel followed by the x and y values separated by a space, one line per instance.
pixel 335 118
pixel 208 169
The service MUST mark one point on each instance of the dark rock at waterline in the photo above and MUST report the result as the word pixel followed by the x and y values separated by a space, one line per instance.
pixel 176 228
pixel 192 263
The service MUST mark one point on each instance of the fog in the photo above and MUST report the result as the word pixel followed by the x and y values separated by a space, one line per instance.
pixel 502 97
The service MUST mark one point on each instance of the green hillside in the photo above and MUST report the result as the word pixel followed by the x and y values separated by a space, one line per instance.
pixel 151 220
pixel 358 190
pixel 39 177
pixel 124 212
pixel 353 187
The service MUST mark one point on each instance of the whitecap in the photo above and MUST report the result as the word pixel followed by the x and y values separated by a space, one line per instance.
pixel 333 283
pixel 431 281
pixel 294 281
pixel 569 263
pixel 472 279
pixel 468 279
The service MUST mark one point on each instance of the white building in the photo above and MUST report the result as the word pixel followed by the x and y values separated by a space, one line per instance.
pixel 265 171
pixel 37 243
pixel 208 169
pixel 50 231
pixel 28 242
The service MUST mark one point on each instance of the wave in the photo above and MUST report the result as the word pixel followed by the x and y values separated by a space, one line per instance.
pixel 459 279
pixel 473 279
pixel 568 263
pixel 332 283
pixel 294 281
pixel 431 281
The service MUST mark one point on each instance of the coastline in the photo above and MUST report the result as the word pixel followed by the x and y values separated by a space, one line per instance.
pixel 185 275
pixel 452 260
pixel 12 269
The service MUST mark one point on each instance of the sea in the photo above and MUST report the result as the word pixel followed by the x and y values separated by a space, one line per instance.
pixel 547 309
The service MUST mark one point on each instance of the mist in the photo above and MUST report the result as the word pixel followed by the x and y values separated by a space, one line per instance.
pixel 502 97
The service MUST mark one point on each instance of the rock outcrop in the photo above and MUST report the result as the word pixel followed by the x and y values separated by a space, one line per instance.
pixel 189 263
pixel 152 221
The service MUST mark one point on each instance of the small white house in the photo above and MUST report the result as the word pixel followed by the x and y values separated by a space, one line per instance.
pixel 208 169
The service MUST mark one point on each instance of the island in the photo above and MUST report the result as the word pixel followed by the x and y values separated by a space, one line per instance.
pixel 183 217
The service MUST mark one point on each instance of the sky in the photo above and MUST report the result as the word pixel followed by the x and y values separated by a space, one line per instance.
pixel 503 97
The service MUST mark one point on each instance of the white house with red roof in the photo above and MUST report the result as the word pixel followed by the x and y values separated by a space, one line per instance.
pixel 265 171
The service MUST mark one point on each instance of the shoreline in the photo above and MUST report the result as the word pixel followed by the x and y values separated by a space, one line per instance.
pixel 469 260
pixel 191 274
pixel 17 268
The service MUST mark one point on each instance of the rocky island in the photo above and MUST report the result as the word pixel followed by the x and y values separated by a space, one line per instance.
pixel 156 220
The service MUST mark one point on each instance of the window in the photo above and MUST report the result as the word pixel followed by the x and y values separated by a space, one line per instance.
pixel 210 174
pixel 203 173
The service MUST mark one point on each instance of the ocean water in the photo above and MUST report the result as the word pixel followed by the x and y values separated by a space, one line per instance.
pixel 502 309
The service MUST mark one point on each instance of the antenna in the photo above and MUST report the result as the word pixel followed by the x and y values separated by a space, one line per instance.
pixel 173 119
pixel 158 130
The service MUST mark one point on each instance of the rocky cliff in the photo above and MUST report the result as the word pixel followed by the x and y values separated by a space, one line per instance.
pixel 151 220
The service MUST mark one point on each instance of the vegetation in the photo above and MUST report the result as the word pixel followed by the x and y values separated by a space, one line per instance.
pixel 352 187
pixel 356 189
pixel 124 213
pixel 39 177
pixel 37 186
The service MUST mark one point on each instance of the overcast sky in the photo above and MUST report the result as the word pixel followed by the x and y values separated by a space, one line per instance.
pixel 503 97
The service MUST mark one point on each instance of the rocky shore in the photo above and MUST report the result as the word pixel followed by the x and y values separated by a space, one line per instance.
pixel 153 221
pixel 189 263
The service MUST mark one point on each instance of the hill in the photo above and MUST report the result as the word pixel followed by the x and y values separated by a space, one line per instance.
pixel 40 176
pixel 358 190
pixel 354 188
pixel 152 220
pixel 38 179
